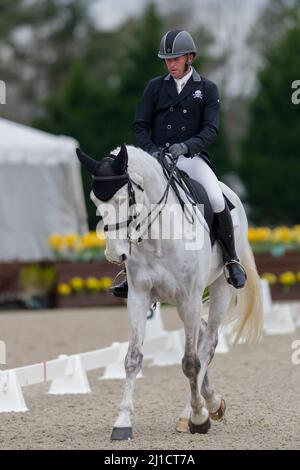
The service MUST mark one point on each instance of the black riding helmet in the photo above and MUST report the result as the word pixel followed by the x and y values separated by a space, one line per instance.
pixel 175 44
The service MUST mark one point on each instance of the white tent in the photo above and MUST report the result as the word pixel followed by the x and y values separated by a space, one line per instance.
pixel 40 191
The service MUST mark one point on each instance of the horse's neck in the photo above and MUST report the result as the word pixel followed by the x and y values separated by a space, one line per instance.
pixel 154 182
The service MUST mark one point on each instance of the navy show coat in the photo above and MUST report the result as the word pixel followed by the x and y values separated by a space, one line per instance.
pixel 164 117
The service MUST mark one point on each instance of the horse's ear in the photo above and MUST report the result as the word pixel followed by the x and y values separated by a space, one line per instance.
pixel 87 161
pixel 121 161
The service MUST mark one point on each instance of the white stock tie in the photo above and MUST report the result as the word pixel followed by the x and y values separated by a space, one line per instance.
pixel 179 86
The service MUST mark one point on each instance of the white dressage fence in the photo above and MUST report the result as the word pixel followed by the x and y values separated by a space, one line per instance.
pixel 68 374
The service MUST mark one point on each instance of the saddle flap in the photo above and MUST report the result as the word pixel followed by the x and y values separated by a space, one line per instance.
pixel 199 196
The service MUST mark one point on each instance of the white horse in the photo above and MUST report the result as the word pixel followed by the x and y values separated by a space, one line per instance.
pixel 160 269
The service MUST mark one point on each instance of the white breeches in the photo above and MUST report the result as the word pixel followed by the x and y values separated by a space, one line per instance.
pixel 199 170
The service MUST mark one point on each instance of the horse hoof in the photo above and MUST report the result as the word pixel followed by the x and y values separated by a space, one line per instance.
pixel 121 434
pixel 219 414
pixel 199 428
pixel 182 425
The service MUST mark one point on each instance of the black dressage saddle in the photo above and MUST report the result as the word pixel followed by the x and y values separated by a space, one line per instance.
pixel 199 196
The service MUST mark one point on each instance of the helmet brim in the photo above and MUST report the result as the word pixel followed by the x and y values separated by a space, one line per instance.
pixel 169 56
pixel 173 56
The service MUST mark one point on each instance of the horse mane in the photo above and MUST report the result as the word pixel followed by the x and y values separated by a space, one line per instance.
pixel 140 161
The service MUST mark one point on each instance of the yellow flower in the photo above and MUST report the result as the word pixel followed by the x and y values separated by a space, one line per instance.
pixel 298 276
pixel 252 234
pixel 270 277
pixel 64 289
pixel 259 234
pixel 92 283
pixel 105 283
pixel 297 228
pixel 56 242
pixel 70 240
pixel 283 234
pixel 77 283
pixel 101 240
pixel 263 234
pixel 95 241
pixel 86 240
pixel 287 278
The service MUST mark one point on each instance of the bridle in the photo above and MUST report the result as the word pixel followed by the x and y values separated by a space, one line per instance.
pixel 131 202
pixel 171 172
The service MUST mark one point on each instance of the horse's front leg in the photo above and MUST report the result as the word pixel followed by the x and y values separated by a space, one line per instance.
pixel 199 418
pixel 138 305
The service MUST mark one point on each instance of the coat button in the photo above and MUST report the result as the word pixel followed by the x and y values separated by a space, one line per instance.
pixel 171 109
pixel 167 144
pixel 183 128
pixel 169 126
pixel 184 111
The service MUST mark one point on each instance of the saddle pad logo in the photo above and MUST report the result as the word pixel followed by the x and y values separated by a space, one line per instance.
pixel 198 94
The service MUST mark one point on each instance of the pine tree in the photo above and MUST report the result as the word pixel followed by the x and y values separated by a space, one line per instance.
pixel 270 163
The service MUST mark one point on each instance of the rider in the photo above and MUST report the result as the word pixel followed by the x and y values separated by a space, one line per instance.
pixel 180 111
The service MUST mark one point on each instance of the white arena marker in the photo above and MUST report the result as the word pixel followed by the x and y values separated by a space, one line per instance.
pixel 116 370
pixel 154 326
pixel 171 351
pixel 266 295
pixel 279 321
pixel 222 347
pixel 73 381
pixel 11 396
pixel 2 352
pixel 295 311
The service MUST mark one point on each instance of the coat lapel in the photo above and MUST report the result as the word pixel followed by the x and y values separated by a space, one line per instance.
pixel 192 84
pixel 171 88
pixel 189 87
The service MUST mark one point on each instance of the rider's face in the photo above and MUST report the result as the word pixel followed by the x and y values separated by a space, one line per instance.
pixel 177 67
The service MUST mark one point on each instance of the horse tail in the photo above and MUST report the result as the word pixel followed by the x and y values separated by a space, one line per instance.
pixel 245 307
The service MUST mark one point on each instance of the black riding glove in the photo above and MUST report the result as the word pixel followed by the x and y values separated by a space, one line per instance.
pixel 178 149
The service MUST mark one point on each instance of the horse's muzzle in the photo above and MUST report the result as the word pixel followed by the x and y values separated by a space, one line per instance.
pixel 116 259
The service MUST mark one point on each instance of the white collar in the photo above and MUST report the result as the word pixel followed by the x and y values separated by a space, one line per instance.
pixel 185 78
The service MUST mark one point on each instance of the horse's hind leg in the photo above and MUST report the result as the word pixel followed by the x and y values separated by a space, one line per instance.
pixel 138 306
pixel 220 297
pixel 199 417
pixel 214 402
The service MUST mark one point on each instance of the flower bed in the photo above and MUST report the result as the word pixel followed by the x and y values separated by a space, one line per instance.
pixel 73 247
pixel 83 274
pixel 82 284
pixel 277 256
pixel 276 241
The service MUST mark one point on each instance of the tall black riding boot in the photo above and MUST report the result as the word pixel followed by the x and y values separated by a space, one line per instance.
pixel 120 290
pixel 225 235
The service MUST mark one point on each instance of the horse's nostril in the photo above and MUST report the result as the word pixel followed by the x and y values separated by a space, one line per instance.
pixel 123 257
